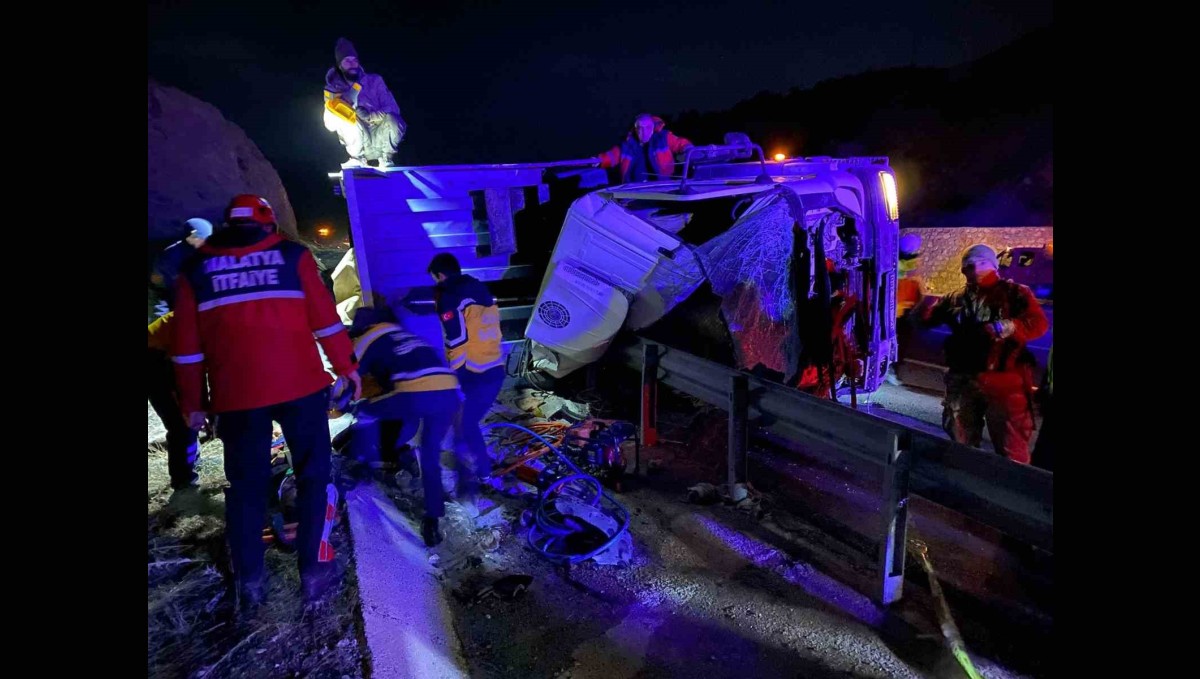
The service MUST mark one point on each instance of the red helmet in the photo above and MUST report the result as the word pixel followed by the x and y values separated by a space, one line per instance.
pixel 251 208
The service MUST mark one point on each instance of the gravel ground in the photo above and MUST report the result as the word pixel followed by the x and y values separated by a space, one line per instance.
pixel 709 592
pixel 192 630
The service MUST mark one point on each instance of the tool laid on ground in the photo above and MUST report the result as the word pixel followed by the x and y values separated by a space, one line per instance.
pixel 574 520
pixel 949 630
pixel 598 453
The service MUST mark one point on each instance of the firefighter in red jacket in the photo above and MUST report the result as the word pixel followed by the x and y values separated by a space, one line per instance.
pixel 990 377
pixel 648 152
pixel 250 308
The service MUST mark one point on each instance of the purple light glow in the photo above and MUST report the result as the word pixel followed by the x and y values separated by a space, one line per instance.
pixel 803 575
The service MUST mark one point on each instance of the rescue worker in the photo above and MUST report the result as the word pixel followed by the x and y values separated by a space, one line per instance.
pixel 377 128
pixel 648 152
pixel 990 368
pixel 166 267
pixel 909 292
pixel 419 389
pixel 471 328
pixel 250 309
pixel 183 447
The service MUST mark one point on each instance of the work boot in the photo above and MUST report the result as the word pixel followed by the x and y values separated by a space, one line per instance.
pixel 353 162
pixel 430 531
pixel 385 161
pixel 316 584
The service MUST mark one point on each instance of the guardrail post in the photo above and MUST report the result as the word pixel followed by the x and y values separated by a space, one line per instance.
pixel 895 518
pixel 739 433
pixel 649 424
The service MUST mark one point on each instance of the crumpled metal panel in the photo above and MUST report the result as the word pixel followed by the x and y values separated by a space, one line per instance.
pixel 749 266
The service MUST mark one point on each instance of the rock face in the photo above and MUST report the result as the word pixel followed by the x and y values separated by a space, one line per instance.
pixel 197 160
pixel 941 257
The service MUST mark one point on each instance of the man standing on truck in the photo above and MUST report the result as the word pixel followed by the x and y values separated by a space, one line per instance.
pixel 361 109
pixel 250 309
pixel 418 390
pixel 471 328
pixel 648 152
pixel 990 375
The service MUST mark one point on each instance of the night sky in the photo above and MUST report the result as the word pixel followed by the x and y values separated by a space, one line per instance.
pixel 485 82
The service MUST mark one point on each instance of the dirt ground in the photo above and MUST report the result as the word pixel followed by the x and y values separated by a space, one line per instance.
pixel 710 591
pixel 192 630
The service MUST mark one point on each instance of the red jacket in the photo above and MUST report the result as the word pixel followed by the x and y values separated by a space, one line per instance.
pixel 247 317
pixel 663 147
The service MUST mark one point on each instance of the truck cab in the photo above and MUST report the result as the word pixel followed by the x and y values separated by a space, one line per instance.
pixel 796 261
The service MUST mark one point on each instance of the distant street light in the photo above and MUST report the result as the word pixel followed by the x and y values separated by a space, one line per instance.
pixel 780 157
pixel 324 231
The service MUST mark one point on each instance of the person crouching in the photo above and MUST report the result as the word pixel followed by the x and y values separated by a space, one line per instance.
pixel 419 390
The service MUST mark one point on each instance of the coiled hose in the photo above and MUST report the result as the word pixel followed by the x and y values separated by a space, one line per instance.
pixel 551 528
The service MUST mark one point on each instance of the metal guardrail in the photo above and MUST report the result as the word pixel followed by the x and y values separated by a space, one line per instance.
pixel 1014 498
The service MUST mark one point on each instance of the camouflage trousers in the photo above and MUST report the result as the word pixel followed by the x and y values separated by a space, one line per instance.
pixel 1001 400
pixel 369 141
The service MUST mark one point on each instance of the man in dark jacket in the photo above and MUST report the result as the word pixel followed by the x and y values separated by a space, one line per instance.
pixel 169 261
pixel 361 109
pixel 418 390
pixel 183 448
pixel 648 152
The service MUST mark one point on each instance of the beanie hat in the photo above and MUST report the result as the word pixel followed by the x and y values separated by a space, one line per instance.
pixel 983 256
pixel 343 49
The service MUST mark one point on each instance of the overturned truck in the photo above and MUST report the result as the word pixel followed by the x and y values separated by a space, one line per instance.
pixel 785 269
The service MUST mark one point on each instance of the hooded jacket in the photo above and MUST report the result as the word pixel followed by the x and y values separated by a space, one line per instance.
pixel 372 97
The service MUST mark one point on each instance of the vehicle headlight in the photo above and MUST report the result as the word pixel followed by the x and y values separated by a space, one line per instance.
pixel 889 195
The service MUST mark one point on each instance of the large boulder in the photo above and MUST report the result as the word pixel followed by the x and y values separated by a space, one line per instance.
pixel 197 160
